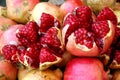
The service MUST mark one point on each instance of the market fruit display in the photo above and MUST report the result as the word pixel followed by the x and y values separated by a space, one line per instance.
pixel 68 40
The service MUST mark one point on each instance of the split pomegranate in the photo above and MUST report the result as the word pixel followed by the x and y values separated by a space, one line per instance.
pixel 38 46
pixel 18 9
pixel 46 7
pixel 83 37
pixel 85 69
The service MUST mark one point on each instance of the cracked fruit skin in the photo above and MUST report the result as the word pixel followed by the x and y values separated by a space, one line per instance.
pixel 84 69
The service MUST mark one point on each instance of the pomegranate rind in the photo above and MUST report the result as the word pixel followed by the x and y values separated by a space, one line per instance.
pixel 109 37
pixel 48 8
pixel 45 65
pixel 80 50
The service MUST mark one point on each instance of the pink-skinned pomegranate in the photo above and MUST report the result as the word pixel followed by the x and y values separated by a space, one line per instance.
pixel 38 46
pixel 7 70
pixel 85 69
pixel 11 39
pixel 83 37
pixel 5 23
pixel 69 5
pixel 18 9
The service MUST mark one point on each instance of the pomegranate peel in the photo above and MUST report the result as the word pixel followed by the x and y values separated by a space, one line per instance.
pixel 80 50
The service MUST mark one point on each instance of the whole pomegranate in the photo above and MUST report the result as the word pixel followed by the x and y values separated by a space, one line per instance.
pixel 85 69
pixel 48 74
pixel 83 36
pixel 69 5
pixel 46 7
pixel 5 23
pixel 98 5
pixel 7 70
pixel 18 9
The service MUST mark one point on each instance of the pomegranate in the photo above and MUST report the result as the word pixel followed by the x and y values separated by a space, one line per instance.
pixel 116 62
pixel 11 39
pixel 83 37
pixel 46 7
pixel 44 75
pixel 3 11
pixel 85 69
pixel 7 70
pixel 22 71
pixel 18 9
pixel 5 23
pixel 69 5
pixel 37 46
pixel 100 4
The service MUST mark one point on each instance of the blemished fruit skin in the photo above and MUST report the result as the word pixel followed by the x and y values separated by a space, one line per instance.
pixel 43 75
pixel 8 70
pixel 5 23
pixel 18 9
pixel 84 69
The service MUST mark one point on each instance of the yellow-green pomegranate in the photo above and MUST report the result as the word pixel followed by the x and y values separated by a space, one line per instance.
pixel 97 5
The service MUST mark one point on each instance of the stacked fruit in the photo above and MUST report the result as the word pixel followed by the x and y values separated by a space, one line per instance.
pixel 72 41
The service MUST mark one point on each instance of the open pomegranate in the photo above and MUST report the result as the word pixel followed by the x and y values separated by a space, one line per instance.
pixel 38 46
pixel 84 37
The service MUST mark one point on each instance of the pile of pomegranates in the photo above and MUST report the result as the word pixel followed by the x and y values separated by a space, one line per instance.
pixel 74 40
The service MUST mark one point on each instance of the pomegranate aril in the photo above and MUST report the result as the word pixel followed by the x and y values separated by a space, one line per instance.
pixel 71 21
pixel 47 55
pixel 100 28
pixel 51 38
pixel 107 14
pixel 84 37
pixel 10 52
pixel 28 34
pixel 84 14
pixel 47 21
pixel 30 56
